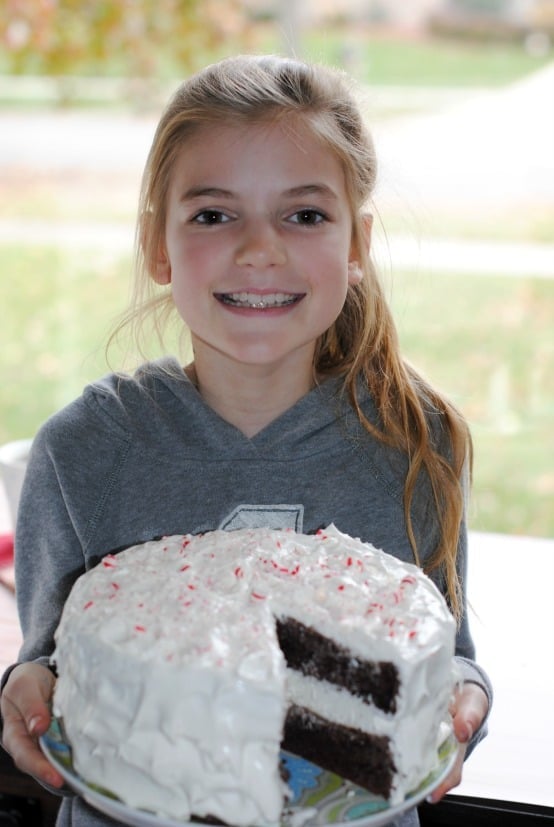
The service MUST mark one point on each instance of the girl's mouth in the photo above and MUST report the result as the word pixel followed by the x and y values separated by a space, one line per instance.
pixel 256 301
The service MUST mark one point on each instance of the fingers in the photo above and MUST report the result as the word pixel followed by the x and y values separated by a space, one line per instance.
pixel 28 691
pixel 452 779
pixel 470 709
pixel 468 713
pixel 26 716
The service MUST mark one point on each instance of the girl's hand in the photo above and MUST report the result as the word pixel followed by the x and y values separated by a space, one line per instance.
pixel 25 712
pixel 468 713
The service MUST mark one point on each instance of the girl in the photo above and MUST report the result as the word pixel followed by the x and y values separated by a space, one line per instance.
pixel 296 409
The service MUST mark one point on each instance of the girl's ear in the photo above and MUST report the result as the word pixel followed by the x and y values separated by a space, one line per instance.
pixel 355 273
pixel 157 262
pixel 161 268
pixel 367 225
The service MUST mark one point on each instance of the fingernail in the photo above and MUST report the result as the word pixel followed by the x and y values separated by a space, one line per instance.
pixel 34 723
pixel 51 779
pixel 466 734
pixel 430 799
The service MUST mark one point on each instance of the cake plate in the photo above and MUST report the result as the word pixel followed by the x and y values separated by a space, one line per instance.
pixel 318 797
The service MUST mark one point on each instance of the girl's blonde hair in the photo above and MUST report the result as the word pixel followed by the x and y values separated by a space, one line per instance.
pixel 362 344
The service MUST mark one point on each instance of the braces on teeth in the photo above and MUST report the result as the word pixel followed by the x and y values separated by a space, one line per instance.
pixel 278 300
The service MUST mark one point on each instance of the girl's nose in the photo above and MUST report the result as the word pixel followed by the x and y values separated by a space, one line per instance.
pixel 260 247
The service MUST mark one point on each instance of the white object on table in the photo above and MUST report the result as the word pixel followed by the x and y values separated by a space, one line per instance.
pixel 13 462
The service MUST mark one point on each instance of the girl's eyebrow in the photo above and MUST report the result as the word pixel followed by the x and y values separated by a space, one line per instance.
pixel 311 189
pixel 211 192
pixel 294 192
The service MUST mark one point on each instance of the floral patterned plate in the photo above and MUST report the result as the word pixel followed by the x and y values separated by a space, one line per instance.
pixel 318 797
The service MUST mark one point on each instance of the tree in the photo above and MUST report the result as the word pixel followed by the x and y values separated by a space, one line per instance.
pixel 132 38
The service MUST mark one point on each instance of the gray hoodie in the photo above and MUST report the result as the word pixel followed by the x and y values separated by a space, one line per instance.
pixel 140 457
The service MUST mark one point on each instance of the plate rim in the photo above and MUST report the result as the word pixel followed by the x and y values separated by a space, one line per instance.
pixel 112 806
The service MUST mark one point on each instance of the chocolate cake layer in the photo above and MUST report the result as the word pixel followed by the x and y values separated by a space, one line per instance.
pixel 365 760
pixel 314 655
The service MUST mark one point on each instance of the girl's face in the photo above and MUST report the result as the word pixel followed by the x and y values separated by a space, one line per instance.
pixel 258 244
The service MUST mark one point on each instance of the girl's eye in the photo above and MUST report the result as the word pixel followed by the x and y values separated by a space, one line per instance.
pixel 308 217
pixel 210 217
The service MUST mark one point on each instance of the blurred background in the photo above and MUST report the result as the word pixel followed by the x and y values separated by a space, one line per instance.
pixel 459 95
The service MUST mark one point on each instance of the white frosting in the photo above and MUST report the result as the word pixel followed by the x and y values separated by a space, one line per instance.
pixel 173 688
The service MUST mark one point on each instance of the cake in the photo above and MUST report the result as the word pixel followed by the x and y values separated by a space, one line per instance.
pixel 186 664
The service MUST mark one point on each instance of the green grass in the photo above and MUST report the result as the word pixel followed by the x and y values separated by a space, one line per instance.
pixel 374 59
pixel 57 309
pixel 434 62
pixel 486 341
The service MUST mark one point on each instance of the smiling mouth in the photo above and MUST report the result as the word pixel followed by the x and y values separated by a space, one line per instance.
pixel 257 302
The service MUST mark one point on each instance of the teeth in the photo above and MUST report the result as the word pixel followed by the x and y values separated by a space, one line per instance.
pixel 257 301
